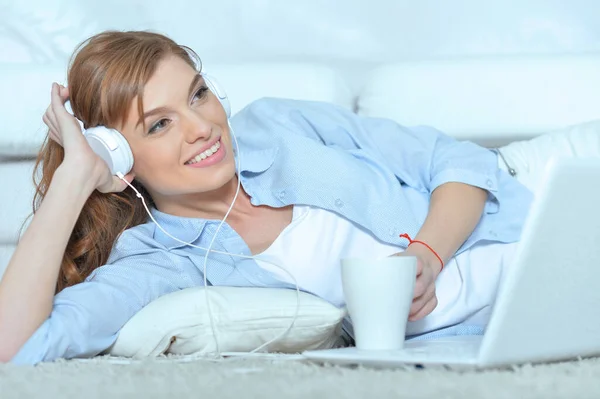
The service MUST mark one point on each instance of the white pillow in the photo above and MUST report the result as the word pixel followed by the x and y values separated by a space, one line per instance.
pixel 245 318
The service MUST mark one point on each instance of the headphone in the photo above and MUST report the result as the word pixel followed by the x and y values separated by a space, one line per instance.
pixel 111 145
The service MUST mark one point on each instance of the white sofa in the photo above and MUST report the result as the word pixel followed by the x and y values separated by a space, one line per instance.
pixel 268 48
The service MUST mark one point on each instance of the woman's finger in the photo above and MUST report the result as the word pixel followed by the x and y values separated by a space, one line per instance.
pixel 63 92
pixel 117 185
pixel 56 101
pixel 51 118
pixel 56 138
pixel 59 112
pixel 425 280
pixel 421 301
pixel 425 310
pixel 420 287
pixel 47 122
pixel 52 132
pixel 128 177
pixel 419 266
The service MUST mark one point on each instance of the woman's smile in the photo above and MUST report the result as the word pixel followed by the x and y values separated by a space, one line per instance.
pixel 216 153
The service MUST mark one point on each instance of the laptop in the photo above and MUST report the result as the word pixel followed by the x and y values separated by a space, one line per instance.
pixel 548 308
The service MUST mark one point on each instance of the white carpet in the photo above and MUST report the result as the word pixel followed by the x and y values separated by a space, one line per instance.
pixel 255 378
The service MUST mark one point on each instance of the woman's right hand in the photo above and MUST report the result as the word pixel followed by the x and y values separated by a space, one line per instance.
pixel 80 159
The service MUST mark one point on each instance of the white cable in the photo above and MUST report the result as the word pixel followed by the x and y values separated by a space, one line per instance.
pixel 212 323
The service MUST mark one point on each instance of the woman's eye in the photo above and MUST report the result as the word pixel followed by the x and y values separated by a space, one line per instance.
pixel 200 93
pixel 161 124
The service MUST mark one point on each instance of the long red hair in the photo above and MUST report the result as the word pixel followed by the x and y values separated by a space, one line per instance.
pixel 106 73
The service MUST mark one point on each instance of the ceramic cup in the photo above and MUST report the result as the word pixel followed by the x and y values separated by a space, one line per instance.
pixel 378 294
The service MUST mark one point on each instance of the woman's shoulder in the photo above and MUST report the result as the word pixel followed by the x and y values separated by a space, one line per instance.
pixel 287 110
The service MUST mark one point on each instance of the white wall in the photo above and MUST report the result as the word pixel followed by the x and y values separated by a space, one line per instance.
pixel 339 30
pixel 353 35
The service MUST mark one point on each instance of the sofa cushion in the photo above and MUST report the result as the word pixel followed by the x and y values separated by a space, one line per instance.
pixel 21 113
pixel 490 101
pixel 530 158
pixel 16 197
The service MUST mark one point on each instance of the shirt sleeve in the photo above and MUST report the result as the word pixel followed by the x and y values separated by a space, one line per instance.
pixel 421 157
pixel 86 318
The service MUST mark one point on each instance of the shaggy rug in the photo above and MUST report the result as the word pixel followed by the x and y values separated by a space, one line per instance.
pixel 181 377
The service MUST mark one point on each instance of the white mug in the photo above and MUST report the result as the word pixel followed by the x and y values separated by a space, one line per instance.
pixel 378 295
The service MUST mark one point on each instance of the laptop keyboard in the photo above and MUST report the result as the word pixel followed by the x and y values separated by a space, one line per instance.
pixel 442 349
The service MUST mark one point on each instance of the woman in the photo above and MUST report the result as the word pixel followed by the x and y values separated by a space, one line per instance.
pixel 318 183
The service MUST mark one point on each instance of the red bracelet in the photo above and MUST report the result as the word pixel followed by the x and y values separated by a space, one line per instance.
pixel 411 241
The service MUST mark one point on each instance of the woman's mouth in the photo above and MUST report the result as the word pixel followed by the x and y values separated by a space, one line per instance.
pixel 208 157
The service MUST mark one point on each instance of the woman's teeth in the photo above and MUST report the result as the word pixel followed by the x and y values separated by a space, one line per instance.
pixel 205 154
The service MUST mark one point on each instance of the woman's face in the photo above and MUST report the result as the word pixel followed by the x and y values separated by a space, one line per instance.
pixel 183 146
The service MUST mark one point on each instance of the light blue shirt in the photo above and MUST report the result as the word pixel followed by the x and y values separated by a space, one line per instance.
pixel 374 172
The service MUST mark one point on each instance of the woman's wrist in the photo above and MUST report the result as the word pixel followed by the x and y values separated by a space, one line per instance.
pixel 74 180
pixel 425 254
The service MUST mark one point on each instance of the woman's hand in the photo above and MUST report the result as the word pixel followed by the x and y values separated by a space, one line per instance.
pixel 80 160
pixel 428 268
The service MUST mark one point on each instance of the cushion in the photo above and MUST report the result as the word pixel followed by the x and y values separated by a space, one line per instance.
pixel 245 318
pixel 490 101
pixel 245 83
pixel 529 158
pixel 16 197
pixel 21 112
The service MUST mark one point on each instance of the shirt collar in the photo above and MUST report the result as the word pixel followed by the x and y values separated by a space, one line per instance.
pixel 185 229
pixel 255 159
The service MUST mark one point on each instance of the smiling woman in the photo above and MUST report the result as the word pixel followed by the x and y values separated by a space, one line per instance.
pixel 316 184
pixel 112 80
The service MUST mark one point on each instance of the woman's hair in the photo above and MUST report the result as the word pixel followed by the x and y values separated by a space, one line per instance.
pixel 105 74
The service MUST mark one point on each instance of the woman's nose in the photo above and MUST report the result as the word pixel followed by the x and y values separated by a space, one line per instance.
pixel 196 127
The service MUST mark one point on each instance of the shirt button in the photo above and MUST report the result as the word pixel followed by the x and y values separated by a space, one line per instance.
pixel 493 233
pixel 282 194
pixel 392 232
pixel 489 183
pixel 339 203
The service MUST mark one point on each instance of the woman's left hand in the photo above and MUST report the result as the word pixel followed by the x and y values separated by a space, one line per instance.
pixel 428 268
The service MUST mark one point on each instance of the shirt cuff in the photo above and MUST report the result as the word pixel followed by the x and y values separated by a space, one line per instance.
pixel 35 348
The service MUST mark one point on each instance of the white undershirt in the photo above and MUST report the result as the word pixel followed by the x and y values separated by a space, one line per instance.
pixel 311 246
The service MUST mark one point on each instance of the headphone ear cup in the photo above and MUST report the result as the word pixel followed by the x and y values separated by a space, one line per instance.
pixel 218 91
pixel 112 147
pixel 108 144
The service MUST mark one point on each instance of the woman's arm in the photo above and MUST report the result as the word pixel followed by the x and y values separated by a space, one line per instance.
pixel 421 157
pixel 86 318
pixel 28 285
pixel 454 211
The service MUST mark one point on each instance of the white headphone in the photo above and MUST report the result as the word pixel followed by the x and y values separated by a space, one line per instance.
pixel 111 145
